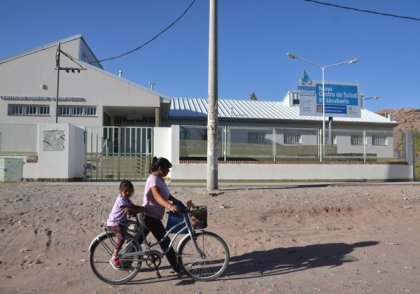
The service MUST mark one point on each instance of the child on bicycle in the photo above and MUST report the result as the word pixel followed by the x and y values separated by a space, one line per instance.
pixel 117 220
pixel 156 199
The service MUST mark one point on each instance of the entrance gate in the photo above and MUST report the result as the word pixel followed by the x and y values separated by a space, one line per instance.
pixel 118 153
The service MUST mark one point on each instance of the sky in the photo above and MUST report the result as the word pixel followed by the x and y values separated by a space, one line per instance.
pixel 254 37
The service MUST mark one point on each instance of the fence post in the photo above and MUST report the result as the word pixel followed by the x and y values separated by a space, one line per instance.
pixel 319 145
pixel 364 146
pixel 416 145
pixel 224 148
pixel 409 151
pixel 274 144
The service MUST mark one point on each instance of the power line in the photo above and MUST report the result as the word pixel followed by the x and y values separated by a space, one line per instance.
pixel 153 38
pixel 364 10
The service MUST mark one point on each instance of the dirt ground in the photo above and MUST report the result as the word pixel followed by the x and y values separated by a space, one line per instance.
pixel 332 238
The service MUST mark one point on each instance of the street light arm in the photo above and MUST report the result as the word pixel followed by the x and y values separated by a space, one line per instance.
pixel 294 56
pixel 367 98
pixel 352 61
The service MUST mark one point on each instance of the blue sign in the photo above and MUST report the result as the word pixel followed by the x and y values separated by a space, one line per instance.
pixel 339 99
pixel 336 109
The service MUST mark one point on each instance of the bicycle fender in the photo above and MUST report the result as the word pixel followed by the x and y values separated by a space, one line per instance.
pixel 96 239
pixel 185 237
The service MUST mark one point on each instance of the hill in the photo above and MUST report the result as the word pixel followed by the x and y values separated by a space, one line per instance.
pixel 407 118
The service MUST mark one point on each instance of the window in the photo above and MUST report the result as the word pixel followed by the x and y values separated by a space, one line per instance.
pixel 292 138
pixel 379 141
pixel 256 137
pixel 28 110
pixel 91 111
pixel 44 110
pixel 356 140
pixel 77 110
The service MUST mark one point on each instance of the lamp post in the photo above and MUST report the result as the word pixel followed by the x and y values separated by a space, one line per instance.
pixel 363 98
pixel 323 68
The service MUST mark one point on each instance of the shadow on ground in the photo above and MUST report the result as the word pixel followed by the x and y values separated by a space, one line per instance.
pixel 287 260
pixel 276 261
pixel 282 187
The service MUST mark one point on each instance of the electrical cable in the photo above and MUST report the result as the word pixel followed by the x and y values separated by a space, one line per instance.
pixel 364 10
pixel 153 38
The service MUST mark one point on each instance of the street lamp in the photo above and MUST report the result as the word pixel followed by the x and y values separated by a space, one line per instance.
pixel 363 98
pixel 322 67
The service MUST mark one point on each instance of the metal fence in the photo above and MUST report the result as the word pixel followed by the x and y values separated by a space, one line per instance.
pixel 115 153
pixel 280 144
pixel 415 145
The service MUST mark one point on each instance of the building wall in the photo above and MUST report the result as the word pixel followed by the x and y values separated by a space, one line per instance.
pixel 31 79
pixel 18 139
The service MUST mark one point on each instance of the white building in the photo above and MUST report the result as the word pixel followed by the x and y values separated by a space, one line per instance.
pixel 87 94
pixel 254 122
pixel 118 117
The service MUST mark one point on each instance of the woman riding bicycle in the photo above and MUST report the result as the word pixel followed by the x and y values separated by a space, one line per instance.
pixel 202 255
pixel 156 199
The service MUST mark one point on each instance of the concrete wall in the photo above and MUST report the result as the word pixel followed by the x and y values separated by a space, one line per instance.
pixel 61 154
pixel 166 144
pixel 295 172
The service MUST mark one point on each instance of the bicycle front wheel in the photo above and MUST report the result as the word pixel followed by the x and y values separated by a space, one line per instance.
pixel 101 253
pixel 209 266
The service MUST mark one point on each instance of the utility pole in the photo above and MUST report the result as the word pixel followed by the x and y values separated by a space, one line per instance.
pixel 58 68
pixel 212 116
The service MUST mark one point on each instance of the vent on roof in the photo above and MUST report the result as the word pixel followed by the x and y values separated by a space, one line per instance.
pixel 294 96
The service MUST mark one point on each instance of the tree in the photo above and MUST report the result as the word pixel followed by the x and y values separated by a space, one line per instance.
pixel 253 96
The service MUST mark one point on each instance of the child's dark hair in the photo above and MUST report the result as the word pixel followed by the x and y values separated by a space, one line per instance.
pixel 126 185
pixel 160 162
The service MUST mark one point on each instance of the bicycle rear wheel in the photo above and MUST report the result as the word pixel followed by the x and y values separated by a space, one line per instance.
pixel 214 262
pixel 101 253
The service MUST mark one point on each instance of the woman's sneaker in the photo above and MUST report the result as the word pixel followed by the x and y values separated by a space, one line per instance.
pixel 177 270
pixel 115 263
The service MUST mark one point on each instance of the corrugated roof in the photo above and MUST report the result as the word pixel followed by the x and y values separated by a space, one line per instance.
pixel 255 109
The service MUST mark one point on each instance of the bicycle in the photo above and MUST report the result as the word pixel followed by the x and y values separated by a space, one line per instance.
pixel 202 255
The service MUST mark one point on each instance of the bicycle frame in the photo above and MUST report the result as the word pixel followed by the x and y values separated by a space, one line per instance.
pixel 182 226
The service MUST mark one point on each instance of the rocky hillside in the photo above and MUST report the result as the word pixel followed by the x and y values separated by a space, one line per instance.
pixel 407 118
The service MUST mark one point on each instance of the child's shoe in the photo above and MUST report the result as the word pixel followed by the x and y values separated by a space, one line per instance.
pixel 115 263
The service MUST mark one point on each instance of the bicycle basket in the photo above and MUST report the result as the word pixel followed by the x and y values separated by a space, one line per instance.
pixel 132 226
pixel 199 217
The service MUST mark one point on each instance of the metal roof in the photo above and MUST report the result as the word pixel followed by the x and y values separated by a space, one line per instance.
pixel 255 109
